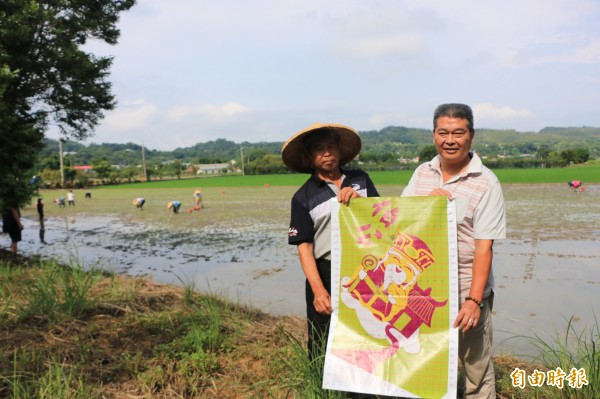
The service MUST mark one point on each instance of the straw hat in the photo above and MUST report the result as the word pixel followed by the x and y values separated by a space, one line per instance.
pixel 296 157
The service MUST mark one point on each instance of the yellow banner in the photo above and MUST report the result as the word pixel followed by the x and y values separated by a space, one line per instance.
pixel 395 296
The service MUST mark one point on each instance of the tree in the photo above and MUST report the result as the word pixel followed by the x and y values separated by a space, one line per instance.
pixel 70 174
pixel 267 164
pixel 130 172
pixel 577 155
pixel 19 142
pixel 103 169
pixel 542 153
pixel 46 78
pixel 581 155
pixel 427 153
pixel 174 169
pixel 50 178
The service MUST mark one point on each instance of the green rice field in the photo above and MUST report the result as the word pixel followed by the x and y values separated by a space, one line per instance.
pixel 589 173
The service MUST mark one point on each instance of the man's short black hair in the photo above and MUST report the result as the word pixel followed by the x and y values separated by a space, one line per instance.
pixel 454 110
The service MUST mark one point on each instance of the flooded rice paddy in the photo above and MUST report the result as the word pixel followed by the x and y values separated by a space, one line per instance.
pixel 546 271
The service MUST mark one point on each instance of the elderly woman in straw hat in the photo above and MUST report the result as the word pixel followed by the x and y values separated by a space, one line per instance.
pixel 321 150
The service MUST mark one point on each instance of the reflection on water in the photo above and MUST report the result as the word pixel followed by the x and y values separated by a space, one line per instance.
pixel 547 270
pixel 540 284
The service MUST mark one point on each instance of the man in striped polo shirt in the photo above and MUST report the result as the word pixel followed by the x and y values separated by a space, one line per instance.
pixel 457 173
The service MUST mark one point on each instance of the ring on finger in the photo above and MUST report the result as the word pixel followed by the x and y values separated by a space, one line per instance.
pixel 471 321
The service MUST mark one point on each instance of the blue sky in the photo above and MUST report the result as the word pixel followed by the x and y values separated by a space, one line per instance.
pixel 189 71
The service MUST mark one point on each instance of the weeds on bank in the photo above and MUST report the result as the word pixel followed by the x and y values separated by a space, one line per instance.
pixel 46 294
pixel 573 357
pixel 58 291
pixel 68 333
pixel 62 382
pixel 57 381
pixel 305 376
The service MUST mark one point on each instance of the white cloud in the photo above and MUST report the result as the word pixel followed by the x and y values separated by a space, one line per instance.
pixel 364 64
pixel 130 115
pixel 514 33
pixel 588 54
pixel 214 112
pixel 401 45
pixel 577 50
pixel 489 115
pixel 389 29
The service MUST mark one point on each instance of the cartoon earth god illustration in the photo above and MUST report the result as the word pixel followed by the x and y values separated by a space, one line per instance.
pixel 384 289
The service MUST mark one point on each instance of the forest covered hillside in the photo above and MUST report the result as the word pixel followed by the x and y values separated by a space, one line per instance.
pixel 393 147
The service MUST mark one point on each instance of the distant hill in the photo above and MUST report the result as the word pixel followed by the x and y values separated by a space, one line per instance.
pixel 386 145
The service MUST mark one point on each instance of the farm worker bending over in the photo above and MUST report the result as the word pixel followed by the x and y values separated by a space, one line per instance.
pixel 576 185
pixel 174 206
pixel 139 203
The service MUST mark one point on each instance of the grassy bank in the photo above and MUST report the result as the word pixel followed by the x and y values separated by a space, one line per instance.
pixel 66 333
pixel 73 334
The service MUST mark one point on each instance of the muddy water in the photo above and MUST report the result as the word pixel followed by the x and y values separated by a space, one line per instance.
pixel 547 270
pixel 235 247
pixel 255 267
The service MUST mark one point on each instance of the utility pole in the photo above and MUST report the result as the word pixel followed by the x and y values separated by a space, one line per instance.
pixel 62 168
pixel 144 164
pixel 242 156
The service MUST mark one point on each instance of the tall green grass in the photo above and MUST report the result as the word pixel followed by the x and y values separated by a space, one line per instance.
pixel 58 291
pixel 222 181
pixel 571 351
pixel 48 293
pixel 305 375
pixel 61 300
pixel 62 381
